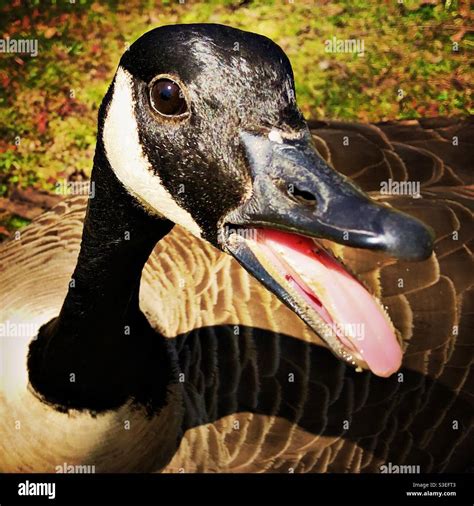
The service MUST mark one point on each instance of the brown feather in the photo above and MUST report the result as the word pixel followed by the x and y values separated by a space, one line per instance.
pixel 237 345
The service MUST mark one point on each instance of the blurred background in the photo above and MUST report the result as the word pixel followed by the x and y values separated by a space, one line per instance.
pixel 410 58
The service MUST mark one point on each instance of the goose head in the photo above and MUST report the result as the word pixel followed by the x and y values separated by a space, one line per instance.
pixel 202 128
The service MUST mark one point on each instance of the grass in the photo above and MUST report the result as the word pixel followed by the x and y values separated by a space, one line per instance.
pixel 48 103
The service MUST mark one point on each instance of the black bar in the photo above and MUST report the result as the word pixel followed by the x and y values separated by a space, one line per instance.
pixel 238 489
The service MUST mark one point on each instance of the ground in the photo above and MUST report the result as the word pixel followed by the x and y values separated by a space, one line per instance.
pixel 415 63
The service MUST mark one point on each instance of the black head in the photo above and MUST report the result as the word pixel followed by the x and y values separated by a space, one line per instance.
pixel 201 126
pixel 229 81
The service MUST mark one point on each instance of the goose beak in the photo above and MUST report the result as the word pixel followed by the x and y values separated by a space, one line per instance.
pixel 297 196
pixel 295 190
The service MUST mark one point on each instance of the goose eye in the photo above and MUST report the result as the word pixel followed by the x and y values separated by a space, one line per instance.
pixel 167 98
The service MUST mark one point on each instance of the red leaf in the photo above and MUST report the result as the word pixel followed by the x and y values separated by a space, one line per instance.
pixel 25 23
pixel 42 121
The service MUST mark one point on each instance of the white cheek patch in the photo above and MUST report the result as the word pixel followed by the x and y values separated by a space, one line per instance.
pixel 279 136
pixel 130 164
pixel 275 136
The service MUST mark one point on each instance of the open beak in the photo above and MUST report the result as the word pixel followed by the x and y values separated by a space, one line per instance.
pixel 297 196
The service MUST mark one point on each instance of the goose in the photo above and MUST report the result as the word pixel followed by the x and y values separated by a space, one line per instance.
pixel 193 316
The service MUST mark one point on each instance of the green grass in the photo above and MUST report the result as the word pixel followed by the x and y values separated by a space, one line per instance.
pixel 49 103
pixel 15 223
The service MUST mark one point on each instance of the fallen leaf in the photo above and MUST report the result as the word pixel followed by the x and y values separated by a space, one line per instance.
pixel 457 37
pixel 42 121
pixel 50 32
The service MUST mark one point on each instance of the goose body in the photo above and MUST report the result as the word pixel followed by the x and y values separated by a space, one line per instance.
pixel 247 386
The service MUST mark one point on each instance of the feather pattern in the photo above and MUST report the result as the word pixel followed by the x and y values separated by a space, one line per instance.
pixel 257 390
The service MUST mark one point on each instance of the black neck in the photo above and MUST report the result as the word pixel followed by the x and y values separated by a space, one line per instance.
pixel 118 238
pixel 100 335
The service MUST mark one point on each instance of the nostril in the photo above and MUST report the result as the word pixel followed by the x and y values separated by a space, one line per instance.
pixel 302 196
pixel 295 193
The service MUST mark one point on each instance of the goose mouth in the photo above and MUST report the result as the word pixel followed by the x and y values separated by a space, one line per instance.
pixel 322 291
pixel 296 196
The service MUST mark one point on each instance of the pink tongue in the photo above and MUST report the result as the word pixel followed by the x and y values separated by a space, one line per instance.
pixel 349 304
